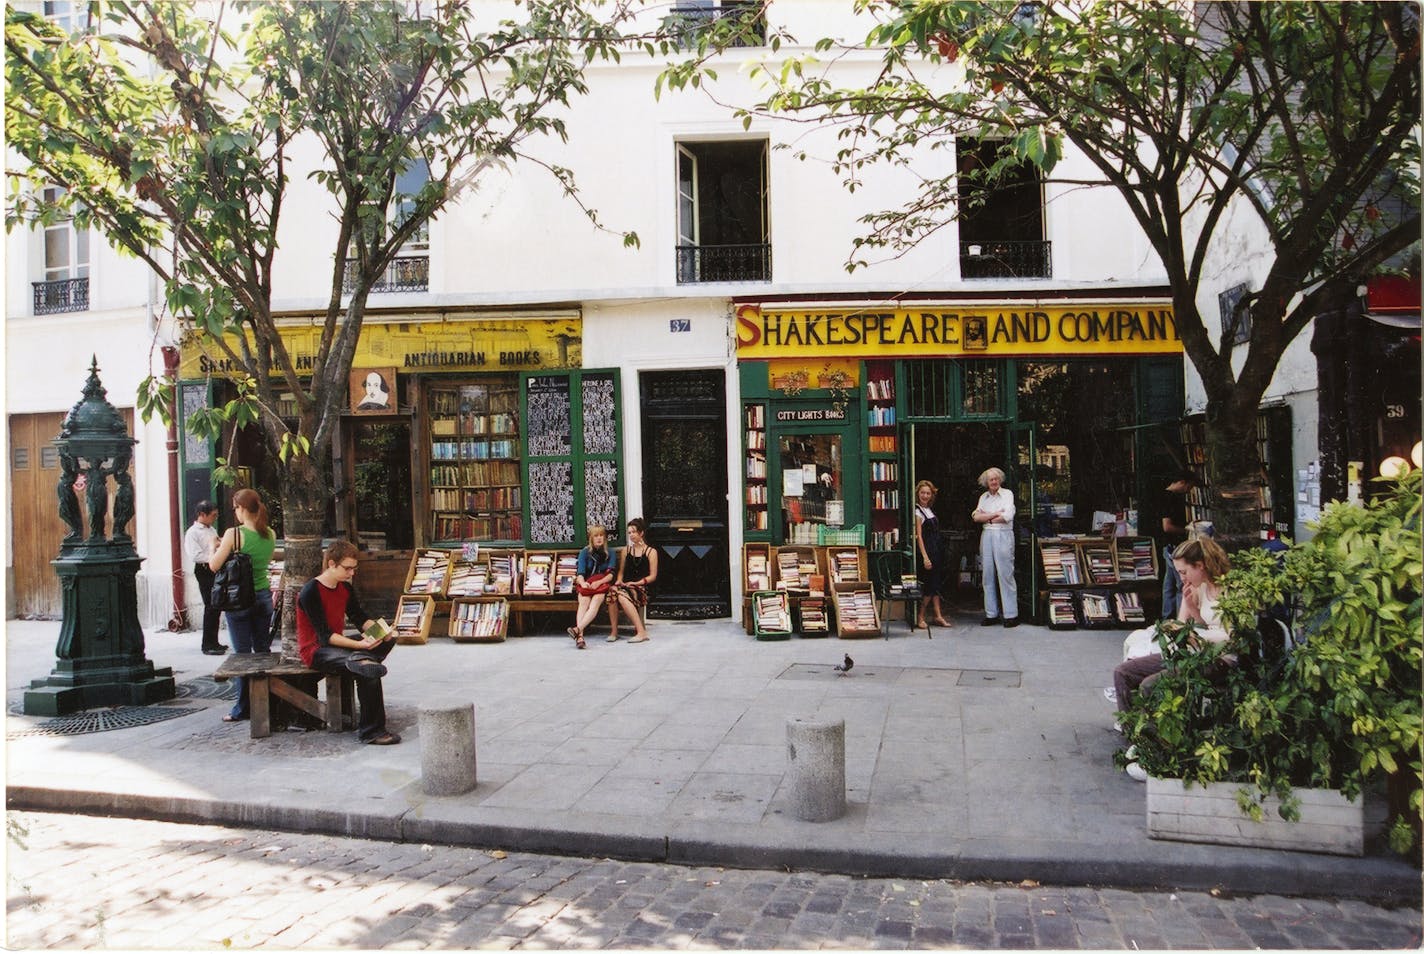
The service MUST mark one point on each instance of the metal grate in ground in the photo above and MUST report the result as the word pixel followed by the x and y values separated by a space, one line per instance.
pixel 103 720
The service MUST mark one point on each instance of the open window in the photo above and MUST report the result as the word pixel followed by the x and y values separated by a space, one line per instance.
pixel 1000 215
pixel 65 282
pixel 723 234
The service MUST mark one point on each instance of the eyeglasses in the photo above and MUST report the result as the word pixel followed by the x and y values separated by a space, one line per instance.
pixel 349 567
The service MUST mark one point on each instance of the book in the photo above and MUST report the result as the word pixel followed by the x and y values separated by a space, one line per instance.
pixel 379 630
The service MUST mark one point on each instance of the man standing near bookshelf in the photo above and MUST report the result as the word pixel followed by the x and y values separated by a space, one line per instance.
pixel 324 606
pixel 1174 533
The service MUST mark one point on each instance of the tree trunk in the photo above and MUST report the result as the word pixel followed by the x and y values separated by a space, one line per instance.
pixel 304 497
pixel 1234 468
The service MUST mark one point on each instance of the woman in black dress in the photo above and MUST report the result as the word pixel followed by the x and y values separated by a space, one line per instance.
pixel 637 571
pixel 929 553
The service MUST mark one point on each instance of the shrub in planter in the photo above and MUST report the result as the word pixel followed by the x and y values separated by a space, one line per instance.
pixel 1339 710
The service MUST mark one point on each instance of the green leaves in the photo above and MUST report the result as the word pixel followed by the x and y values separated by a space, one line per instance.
pixel 1343 707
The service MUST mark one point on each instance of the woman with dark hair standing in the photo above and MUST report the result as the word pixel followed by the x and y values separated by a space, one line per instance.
pixel 249 629
pixel 637 570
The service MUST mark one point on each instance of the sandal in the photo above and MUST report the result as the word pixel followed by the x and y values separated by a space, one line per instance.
pixel 638 639
pixel 578 641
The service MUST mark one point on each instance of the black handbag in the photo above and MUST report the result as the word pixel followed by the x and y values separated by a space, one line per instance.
pixel 232 589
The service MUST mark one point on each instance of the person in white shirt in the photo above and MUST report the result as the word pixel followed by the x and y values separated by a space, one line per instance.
pixel 199 544
pixel 995 514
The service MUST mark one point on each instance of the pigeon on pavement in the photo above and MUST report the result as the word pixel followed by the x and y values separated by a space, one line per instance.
pixel 846 666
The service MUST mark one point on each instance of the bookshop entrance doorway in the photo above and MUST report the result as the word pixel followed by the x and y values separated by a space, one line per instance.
pixel 952 455
pixel 379 452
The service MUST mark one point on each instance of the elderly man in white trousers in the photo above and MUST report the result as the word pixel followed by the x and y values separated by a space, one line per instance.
pixel 995 514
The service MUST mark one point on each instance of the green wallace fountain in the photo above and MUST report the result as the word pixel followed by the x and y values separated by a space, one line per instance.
pixel 100 654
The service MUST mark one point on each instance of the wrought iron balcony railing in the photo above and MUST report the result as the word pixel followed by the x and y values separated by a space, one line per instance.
pixel 66 294
pixel 409 273
pixel 994 259
pixel 723 263
pixel 690 21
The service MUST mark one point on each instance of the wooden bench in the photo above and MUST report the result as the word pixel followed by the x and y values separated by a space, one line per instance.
pixel 267 675
pixel 520 606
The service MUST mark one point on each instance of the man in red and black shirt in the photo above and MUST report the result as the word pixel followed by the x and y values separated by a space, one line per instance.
pixel 324 606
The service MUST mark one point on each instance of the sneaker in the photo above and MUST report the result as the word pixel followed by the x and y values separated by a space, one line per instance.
pixel 1136 772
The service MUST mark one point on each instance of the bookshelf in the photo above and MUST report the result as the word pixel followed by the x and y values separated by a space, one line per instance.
pixel 1274 484
pixel 754 421
pixel 1093 581
pixel 882 462
pixel 474 460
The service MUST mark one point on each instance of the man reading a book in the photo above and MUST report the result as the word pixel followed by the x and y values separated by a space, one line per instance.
pixel 324 606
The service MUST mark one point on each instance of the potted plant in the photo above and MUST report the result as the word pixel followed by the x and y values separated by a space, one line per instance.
pixel 1339 709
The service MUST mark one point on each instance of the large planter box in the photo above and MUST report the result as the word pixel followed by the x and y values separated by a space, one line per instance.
pixel 1328 823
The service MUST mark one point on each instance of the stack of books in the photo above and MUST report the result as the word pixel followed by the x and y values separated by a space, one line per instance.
pixel 1060 608
pixel 845 565
pixel 479 620
pixel 467 578
pixel 1096 607
pixel 813 615
pixel 503 571
pixel 757 576
pixel 410 620
pixel 1129 608
pixel 856 611
pixel 565 570
pixel 539 574
pixel 1099 557
pixel 1060 565
pixel 427 574
pixel 771 613
pixel 788 570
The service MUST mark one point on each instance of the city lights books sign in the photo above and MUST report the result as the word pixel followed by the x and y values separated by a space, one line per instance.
pixel 973 330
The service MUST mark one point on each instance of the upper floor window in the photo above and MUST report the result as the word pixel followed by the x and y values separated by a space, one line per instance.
pixel 743 19
pixel 1000 217
pixel 723 233
pixel 65 284
pixel 408 186
pixel 70 15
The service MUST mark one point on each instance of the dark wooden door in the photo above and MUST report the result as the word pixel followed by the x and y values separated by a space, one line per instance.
pixel 684 418
pixel 34 510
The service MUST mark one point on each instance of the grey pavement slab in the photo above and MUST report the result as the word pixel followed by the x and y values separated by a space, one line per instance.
pixel 980 754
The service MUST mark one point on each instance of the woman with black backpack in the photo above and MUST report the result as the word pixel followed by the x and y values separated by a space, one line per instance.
pixel 249 628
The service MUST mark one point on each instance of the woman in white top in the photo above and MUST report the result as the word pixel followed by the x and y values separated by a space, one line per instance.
pixel 995 514
pixel 1200 563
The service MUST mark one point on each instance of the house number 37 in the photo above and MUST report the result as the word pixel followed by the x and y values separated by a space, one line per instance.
pixel 1394 410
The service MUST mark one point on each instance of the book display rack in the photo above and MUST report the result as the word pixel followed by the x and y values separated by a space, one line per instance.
pixel 474 454
pixel 756 488
pixel 882 462
pixel 856 616
pixel 479 619
pixel 771 614
pixel 1096 581
pixel 413 616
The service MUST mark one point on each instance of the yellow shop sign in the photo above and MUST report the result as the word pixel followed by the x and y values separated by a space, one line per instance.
pixel 443 343
pixel 973 330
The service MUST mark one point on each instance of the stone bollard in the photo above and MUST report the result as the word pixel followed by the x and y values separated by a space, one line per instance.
pixel 447 749
pixel 817 754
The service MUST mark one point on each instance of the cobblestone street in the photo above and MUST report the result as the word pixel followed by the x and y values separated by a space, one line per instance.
pixel 85 882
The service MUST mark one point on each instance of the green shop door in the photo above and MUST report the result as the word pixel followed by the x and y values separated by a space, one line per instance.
pixel 1023 481
pixel 817 471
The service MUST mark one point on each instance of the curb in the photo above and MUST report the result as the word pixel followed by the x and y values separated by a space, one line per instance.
pixel 1380 880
